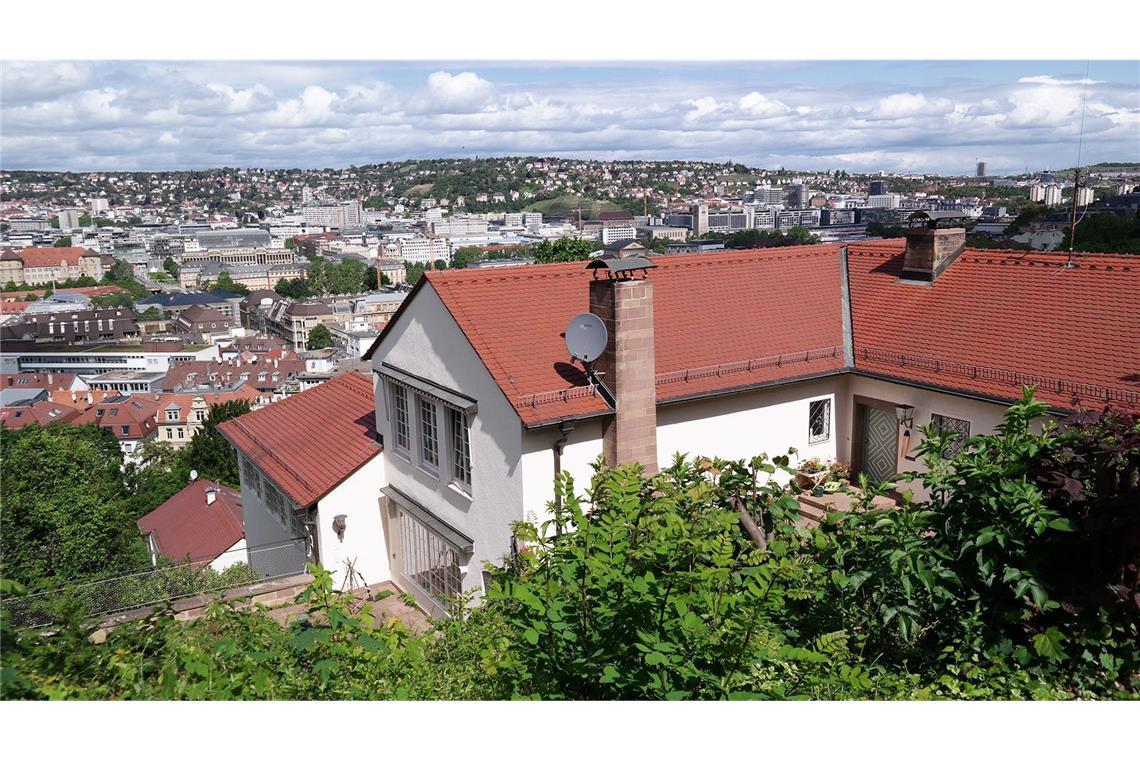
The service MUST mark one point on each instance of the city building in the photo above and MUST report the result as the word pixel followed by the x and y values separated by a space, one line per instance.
pixel 203 324
pixel 617 232
pixel 419 249
pixel 45 266
pixel 70 327
pixel 887 200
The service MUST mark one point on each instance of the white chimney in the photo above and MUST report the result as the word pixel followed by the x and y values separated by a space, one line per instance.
pixel 211 496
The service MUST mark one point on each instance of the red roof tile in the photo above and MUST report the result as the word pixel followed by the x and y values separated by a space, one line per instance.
pixel 723 320
pixel 309 443
pixel 996 319
pixel 41 413
pixel 185 526
pixel 728 320
pixel 51 257
pixel 128 417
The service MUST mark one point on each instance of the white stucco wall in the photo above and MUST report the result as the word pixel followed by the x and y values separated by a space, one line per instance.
pixel 426 342
pixel 583 446
pixel 364 541
pixel 744 425
pixel 235 555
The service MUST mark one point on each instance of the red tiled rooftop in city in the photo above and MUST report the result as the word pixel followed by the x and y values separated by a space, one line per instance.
pixel 770 315
pixel 732 320
pixel 186 527
pixel 309 443
pixel 997 318
pixel 51 257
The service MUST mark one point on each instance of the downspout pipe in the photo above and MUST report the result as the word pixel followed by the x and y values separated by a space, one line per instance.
pixel 564 428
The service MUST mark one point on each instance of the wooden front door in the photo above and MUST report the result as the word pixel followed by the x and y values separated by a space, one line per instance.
pixel 880 435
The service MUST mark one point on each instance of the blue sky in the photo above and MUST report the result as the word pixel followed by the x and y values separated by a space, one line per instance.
pixel 863 115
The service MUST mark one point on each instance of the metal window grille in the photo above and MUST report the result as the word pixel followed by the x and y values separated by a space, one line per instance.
pixel 402 429
pixel 252 476
pixel 959 428
pixel 461 448
pixel 429 561
pixel 429 435
pixel 819 420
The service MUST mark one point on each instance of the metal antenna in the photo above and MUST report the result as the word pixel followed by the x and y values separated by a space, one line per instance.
pixel 1077 170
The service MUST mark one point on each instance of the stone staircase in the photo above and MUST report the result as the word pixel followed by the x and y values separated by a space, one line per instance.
pixel 814 509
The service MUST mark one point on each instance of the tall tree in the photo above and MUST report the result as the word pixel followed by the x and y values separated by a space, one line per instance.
pixel 65 510
pixel 563 249
pixel 209 453
pixel 319 337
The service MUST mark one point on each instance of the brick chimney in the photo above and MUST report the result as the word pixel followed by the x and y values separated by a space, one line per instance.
pixel 930 250
pixel 621 295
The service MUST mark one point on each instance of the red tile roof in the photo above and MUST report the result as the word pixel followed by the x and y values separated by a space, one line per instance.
pixel 308 444
pixel 730 320
pixel 724 320
pixel 51 380
pixel 134 413
pixel 996 319
pixel 41 413
pixel 185 526
pixel 51 257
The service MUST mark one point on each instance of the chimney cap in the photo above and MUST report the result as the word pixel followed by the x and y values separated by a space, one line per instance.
pixel 619 268
pixel 932 219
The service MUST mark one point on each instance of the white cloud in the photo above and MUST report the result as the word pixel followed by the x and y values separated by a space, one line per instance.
pixel 758 105
pixel 182 115
pixel 905 104
pixel 460 93
pixel 1053 81
pixel 701 107
pixel 312 108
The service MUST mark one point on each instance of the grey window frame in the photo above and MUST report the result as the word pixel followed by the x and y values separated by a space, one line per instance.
pixel 423 450
pixel 401 417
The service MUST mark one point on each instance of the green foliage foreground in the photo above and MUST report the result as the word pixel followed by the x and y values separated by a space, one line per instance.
pixel 1015 579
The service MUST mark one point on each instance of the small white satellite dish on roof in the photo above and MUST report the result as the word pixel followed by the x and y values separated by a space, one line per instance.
pixel 586 337
pixel 193 475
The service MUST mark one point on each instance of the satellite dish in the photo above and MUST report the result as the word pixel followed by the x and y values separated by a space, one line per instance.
pixel 586 337
pixel 193 475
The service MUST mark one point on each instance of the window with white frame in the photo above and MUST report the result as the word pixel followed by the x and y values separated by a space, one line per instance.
pixel 959 429
pixel 400 425
pixel 819 420
pixel 460 449
pixel 429 433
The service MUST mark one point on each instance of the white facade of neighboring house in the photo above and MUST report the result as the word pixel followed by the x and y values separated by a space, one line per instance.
pixel 272 519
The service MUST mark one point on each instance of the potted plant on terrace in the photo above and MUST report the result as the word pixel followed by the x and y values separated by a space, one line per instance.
pixel 811 473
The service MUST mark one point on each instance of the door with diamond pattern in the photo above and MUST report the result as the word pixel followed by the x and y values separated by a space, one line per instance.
pixel 880 443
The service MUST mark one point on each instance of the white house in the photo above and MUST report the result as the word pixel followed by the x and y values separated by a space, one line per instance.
pixel 311 471
pixel 838 351
pixel 841 352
